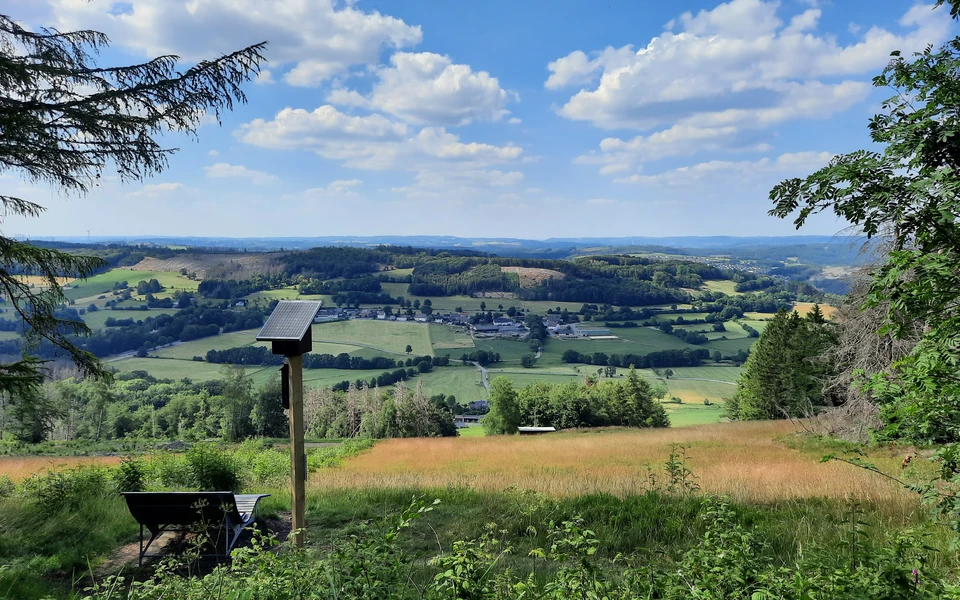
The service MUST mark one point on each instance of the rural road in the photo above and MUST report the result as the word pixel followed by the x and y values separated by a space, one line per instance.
pixel 483 375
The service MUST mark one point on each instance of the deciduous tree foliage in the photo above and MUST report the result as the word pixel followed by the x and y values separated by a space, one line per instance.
pixel 906 192
pixel 504 415
pixel 64 121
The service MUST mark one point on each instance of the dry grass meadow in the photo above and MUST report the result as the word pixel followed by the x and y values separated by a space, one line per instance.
pixel 18 468
pixel 750 462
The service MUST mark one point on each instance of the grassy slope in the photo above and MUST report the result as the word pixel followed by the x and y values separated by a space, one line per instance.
pixel 95 320
pixel 388 336
pixel 103 283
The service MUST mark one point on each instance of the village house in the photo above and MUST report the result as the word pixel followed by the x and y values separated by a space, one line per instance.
pixel 420 317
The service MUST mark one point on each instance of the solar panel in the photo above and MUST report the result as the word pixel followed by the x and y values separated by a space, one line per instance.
pixel 290 321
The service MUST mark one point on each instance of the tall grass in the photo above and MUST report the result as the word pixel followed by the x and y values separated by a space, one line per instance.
pixel 749 462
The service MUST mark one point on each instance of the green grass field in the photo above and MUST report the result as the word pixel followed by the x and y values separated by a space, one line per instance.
pixel 719 373
pixel 446 338
pixel 510 351
pixel 730 347
pixel 685 415
pixel 103 283
pixel 462 382
pixel 724 287
pixel 695 391
pixel 95 320
pixel 174 368
pixel 387 336
pixel 188 350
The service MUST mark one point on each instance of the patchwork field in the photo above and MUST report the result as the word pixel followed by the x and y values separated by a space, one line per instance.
pixel 747 461
pixel 103 283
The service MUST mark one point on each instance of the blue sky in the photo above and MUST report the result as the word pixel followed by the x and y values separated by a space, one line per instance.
pixel 526 119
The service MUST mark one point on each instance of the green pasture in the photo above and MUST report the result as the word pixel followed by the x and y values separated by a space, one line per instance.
pixel 104 282
pixel 169 368
pixel 236 339
pixel 722 286
pixel 462 382
pixel 685 415
pixel 395 289
pixel 729 347
pixel 758 325
pixel 718 373
pixel 95 320
pixel 387 336
pixel 200 347
pixel 510 351
pixel 445 337
pixel 694 391
pixel 472 431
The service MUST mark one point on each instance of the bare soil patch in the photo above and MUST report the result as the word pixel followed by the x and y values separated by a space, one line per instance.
pixel 215 266
pixel 532 277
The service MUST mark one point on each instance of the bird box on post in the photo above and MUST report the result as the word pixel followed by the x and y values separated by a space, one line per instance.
pixel 288 331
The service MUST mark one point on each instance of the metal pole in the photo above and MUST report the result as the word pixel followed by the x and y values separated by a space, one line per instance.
pixel 298 457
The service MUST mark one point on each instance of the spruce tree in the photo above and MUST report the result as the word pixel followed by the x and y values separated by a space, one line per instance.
pixel 65 121
pixel 783 377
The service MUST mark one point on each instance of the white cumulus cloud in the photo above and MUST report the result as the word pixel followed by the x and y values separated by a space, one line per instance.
pixel 737 64
pixel 317 39
pixel 228 171
pixel 429 89
pixel 156 189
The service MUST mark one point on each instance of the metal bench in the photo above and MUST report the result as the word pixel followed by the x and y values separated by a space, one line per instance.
pixel 185 511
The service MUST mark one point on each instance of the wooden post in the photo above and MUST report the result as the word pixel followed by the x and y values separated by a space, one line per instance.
pixel 298 456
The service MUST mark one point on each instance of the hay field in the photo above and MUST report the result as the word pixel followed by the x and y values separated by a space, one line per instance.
pixel 804 307
pixel 747 461
pixel 19 468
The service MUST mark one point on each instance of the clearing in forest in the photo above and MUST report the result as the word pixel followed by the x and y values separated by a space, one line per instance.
pixel 215 266
pixel 532 277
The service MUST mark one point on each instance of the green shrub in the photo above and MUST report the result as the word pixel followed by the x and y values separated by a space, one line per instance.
pixel 67 489
pixel 213 469
pixel 129 476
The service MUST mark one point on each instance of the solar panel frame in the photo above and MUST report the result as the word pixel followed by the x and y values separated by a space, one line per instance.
pixel 290 321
